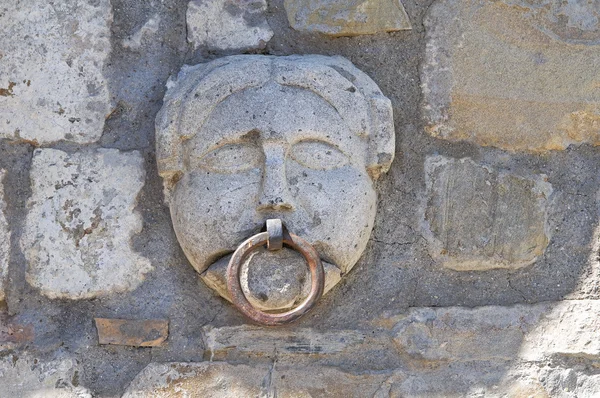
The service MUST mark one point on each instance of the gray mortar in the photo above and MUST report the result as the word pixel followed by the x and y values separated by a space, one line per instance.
pixel 395 272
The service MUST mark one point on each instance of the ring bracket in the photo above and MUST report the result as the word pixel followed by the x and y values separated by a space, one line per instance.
pixel 275 231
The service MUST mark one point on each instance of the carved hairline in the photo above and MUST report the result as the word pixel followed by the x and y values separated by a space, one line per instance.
pixel 352 93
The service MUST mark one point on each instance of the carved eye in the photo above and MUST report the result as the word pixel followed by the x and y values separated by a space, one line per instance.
pixel 318 155
pixel 232 158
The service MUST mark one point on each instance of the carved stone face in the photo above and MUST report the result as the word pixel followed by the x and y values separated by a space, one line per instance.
pixel 272 150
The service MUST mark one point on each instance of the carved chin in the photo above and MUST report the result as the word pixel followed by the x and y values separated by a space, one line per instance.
pixel 276 280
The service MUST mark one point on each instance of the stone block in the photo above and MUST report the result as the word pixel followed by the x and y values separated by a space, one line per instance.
pixel 4 240
pixel 228 24
pixel 347 18
pixel 477 218
pixel 491 333
pixel 570 329
pixel 137 333
pixel 513 74
pixel 257 342
pixel 52 60
pixel 223 380
pixel 24 375
pixel 80 221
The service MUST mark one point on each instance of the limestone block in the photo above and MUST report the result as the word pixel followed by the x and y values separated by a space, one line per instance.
pixel 258 342
pixel 477 218
pixel 347 18
pixel 464 334
pixel 24 375
pixel 243 139
pixel 52 56
pixel 4 239
pixel 271 280
pixel 222 380
pixel 228 24
pixel 80 221
pixel 570 329
pixel 519 75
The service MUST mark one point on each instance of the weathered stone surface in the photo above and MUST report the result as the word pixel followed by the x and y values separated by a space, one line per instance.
pixel 52 57
pixel 228 24
pixel 514 74
pixel 570 329
pixel 222 380
pixel 478 218
pixel 81 217
pixel 4 239
pixel 299 138
pixel 137 333
pixel 271 280
pixel 252 341
pixel 347 18
pixel 464 334
pixel 24 375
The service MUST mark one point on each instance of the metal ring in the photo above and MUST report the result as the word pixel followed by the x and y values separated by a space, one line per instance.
pixel 264 318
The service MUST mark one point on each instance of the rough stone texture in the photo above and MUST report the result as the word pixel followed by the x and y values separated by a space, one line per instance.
pixel 518 75
pixel 347 18
pixel 478 218
pixel 52 59
pixel 25 375
pixel 569 330
pixel 4 239
pixel 299 138
pixel 80 221
pixel 271 280
pixel 228 24
pixel 220 380
pixel 137 333
pixel 231 343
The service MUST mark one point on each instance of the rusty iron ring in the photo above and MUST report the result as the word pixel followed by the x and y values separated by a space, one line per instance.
pixel 273 319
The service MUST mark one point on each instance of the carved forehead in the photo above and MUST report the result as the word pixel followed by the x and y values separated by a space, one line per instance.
pixel 199 89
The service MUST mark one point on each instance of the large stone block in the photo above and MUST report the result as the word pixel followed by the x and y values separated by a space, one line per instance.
pixel 347 18
pixel 52 57
pixel 222 380
pixel 514 74
pixel 478 218
pixel 80 221
pixel 24 375
pixel 4 239
pixel 228 24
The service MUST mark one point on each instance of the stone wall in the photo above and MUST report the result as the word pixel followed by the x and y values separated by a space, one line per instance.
pixel 481 277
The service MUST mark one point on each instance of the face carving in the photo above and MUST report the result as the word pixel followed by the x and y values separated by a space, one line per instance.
pixel 247 138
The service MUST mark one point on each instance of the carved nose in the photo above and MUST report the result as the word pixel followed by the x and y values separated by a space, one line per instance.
pixel 275 194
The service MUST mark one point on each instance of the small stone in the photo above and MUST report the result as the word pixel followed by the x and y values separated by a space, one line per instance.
pixel 144 33
pixel 4 239
pixel 12 334
pixel 23 375
pixel 228 24
pixel 276 280
pixel 223 380
pixel 478 218
pixel 347 18
pixel 80 221
pixel 513 74
pixel 137 333
pixel 52 85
